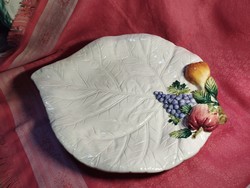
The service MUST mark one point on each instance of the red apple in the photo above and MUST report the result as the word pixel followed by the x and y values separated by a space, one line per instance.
pixel 200 116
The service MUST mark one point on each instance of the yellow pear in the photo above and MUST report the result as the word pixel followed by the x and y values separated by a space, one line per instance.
pixel 197 73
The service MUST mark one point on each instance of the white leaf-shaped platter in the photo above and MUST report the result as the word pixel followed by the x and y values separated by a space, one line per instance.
pixel 102 109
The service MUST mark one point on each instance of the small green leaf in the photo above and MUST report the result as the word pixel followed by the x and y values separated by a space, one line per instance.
pixel 176 83
pixel 201 96
pixel 212 107
pixel 173 120
pixel 4 15
pixel 211 87
pixel 186 109
pixel 182 133
pixel 178 88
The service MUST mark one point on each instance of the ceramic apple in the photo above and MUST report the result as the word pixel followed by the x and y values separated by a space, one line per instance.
pixel 200 116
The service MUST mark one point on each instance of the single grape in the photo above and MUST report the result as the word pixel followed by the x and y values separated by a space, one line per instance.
pixel 178 98
pixel 170 100
pixel 182 115
pixel 161 99
pixel 173 111
pixel 168 110
pixel 156 92
pixel 170 106
pixel 176 106
pixel 177 115
pixel 160 92
pixel 173 96
pixel 165 106
pixel 181 96
pixel 182 102
pixel 174 101
pixel 187 101
pixel 178 111
pixel 167 96
pixel 158 96
pixel 165 101
pixel 190 96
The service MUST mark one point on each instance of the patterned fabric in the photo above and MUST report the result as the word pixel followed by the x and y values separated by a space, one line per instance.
pixel 218 31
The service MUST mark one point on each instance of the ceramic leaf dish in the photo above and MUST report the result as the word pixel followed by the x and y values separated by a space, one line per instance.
pixel 130 103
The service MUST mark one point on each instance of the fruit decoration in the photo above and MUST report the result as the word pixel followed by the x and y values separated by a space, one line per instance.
pixel 197 73
pixel 199 110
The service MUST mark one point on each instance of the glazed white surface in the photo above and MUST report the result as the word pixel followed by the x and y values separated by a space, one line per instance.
pixel 102 109
pixel 12 7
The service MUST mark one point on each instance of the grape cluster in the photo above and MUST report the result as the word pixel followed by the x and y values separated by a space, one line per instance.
pixel 173 103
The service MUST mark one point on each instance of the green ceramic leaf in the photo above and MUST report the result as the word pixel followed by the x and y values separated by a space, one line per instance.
pixel 211 86
pixel 5 18
pixel 212 108
pixel 201 96
pixel 178 88
pixel 182 133
pixel 173 120
pixel 186 109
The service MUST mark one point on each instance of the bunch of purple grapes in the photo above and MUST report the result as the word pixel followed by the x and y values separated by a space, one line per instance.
pixel 174 103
